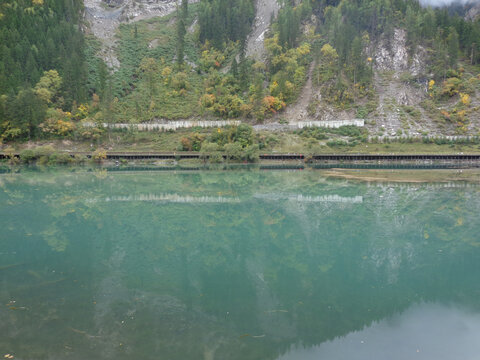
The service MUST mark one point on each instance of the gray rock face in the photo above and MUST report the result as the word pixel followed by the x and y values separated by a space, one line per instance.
pixel 394 56
pixel 115 2
pixel 265 9
pixel 104 16
pixel 473 13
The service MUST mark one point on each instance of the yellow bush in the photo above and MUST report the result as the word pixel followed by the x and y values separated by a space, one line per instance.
pixel 166 73
pixel 207 100
pixel 465 99
pixel 180 81
pixel 81 112
pixel 58 123
pixel 303 49
pixel 445 114
pixel 91 133
pixel 211 59
pixel 461 117
pixel 99 155
pixel 451 86
pixel 273 87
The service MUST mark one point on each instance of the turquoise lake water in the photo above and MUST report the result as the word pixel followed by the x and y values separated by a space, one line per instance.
pixel 236 265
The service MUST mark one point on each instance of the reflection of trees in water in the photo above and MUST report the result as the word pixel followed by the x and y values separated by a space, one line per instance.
pixel 210 279
pixel 424 331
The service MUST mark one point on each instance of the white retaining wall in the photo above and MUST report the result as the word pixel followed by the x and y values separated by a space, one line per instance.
pixel 330 124
pixel 171 125
pixel 174 125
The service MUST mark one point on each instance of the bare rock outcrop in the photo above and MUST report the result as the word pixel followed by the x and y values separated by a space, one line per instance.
pixel 104 16
pixel 396 91
pixel 474 13
pixel 265 9
pixel 392 55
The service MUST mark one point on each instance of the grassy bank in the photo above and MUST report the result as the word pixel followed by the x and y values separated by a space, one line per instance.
pixel 267 142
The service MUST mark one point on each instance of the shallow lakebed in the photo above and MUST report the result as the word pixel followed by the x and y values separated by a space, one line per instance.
pixel 239 264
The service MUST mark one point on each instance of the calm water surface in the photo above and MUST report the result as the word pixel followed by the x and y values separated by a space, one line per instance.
pixel 236 265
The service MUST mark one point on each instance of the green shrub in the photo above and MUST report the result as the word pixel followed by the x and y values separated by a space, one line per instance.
pixel 233 151
pixel 209 151
pixel 321 133
pixel 252 153
pixel 10 153
pixel 215 158
pixel 242 134
pixel 264 141
pixel 407 77
pixel 362 112
pixel 414 113
pixel 79 159
pixel 314 132
pixel 99 155
pixel 43 160
pixel 337 143
pixel 349 130
pixel 192 142
pixel 27 156
pixel 43 151
pixel 60 158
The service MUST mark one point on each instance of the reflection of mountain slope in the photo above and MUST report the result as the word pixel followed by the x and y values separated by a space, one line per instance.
pixel 226 280
pixel 177 198
pixel 272 318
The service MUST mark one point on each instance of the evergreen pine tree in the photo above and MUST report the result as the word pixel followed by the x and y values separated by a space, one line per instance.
pixel 453 48
pixel 234 68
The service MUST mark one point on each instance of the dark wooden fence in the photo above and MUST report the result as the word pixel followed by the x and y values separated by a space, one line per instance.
pixel 283 157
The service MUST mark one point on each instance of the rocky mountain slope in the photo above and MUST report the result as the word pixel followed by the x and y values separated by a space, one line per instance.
pixel 400 104
pixel 401 101
pixel 473 13
pixel 104 17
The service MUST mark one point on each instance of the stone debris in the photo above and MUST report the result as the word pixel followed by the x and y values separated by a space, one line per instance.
pixel 265 9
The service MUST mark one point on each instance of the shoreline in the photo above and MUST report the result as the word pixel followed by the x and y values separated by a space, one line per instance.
pixel 372 158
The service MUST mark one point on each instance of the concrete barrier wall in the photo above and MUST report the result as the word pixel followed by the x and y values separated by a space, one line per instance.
pixel 174 125
pixel 330 124
pixel 171 125
pixel 429 137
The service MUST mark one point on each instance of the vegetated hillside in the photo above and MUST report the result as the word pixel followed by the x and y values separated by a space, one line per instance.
pixel 405 69
pixel 38 36
pixel 416 74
